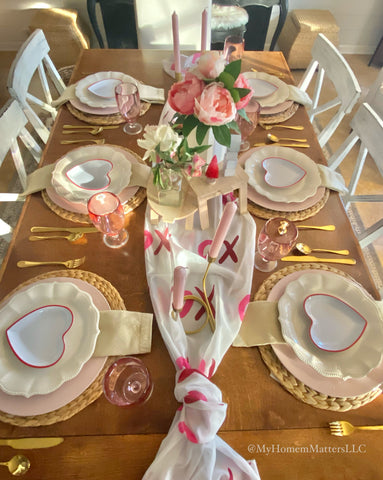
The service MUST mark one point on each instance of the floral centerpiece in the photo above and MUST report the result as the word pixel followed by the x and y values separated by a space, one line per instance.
pixel 210 96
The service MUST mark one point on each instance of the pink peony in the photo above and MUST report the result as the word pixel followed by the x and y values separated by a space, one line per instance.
pixel 216 106
pixel 210 65
pixel 241 82
pixel 182 94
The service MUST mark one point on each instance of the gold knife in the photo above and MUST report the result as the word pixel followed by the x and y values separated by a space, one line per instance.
pixel 293 145
pixel 65 229
pixel 106 127
pixel 28 443
pixel 310 258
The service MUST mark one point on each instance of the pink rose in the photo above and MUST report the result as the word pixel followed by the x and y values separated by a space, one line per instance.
pixel 182 94
pixel 216 106
pixel 210 64
pixel 241 82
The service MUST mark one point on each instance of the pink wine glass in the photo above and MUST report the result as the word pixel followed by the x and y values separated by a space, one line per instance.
pixel 128 102
pixel 275 240
pixel 127 382
pixel 252 110
pixel 107 214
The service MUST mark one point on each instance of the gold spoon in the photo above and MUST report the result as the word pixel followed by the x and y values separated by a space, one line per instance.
pixel 276 139
pixel 306 250
pixel 94 131
pixel 17 465
pixel 290 127
pixel 72 237
pixel 104 127
pixel 328 228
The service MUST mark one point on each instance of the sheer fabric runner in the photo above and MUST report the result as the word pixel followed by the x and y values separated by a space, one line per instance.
pixel 192 449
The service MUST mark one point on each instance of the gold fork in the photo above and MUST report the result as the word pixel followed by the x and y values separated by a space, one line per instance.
pixel 72 237
pixel 92 131
pixel 290 127
pixel 104 127
pixel 68 263
pixel 100 141
pixel 342 428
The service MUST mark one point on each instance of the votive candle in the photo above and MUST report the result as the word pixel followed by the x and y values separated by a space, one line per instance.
pixel 222 229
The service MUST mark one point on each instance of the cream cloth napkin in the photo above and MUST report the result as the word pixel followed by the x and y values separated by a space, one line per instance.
pixel 299 96
pixel 260 325
pixel 331 179
pixel 147 94
pixel 40 179
pixel 123 333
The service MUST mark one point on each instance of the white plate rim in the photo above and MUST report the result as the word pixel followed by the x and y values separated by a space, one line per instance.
pixel 46 380
pixel 276 98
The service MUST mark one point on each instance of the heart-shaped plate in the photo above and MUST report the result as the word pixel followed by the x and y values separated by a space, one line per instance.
pixel 282 173
pixel 104 88
pixel 92 174
pixel 37 338
pixel 263 88
pixel 335 325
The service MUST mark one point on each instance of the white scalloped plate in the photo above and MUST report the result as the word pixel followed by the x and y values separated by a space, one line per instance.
pixel 16 378
pixel 298 192
pixel 280 95
pixel 113 180
pixel 89 98
pixel 354 362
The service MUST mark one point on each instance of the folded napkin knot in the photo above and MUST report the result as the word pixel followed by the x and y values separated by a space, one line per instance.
pixel 203 412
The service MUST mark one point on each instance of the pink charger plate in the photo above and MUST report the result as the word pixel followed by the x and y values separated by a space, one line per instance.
pixel 70 390
pixel 332 386
pixel 265 202
pixel 281 107
pixel 93 110
pixel 77 207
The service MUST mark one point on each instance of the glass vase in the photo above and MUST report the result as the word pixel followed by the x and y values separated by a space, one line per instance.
pixel 169 192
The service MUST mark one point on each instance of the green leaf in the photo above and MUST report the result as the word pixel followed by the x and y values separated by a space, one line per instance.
pixel 227 79
pixel 243 114
pixel 243 91
pixel 200 148
pixel 234 68
pixel 233 125
pixel 222 135
pixel 235 95
pixel 190 123
pixel 202 130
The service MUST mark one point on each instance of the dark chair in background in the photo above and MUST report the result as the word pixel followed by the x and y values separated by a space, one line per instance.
pixel 119 22
pixel 259 12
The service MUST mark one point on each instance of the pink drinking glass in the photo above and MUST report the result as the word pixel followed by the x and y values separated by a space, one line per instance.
pixel 252 110
pixel 233 48
pixel 107 214
pixel 275 240
pixel 128 102
pixel 127 382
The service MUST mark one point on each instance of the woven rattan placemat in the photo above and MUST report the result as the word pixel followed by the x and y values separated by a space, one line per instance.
pixel 297 388
pixel 298 215
pixel 95 389
pixel 113 119
pixel 279 117
pixel 130 205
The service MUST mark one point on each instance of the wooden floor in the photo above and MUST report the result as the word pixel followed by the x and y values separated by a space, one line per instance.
pixel 371 182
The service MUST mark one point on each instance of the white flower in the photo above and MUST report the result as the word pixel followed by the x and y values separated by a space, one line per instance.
pixel 162 136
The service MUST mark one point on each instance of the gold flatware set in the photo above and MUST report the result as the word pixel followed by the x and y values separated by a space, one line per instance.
pixel 85 129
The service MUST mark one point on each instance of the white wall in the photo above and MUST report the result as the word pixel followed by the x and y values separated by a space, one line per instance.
pixel 360 21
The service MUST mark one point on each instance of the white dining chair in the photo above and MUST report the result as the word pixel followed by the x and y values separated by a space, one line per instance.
pixel 331 65
pixel 154 23
pixel 32 57
pixel 12 130
pixel 367 128
pixel 374 96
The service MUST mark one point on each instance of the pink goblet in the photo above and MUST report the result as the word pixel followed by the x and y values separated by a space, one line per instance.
pixel 252 110
pixel 275 240
pixel 127 382
pixel 107 214
pixel 128 102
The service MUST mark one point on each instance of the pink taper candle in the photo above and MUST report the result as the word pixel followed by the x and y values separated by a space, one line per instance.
pixel 204 32
pixel 176 43
pixel 222 229
pixel 179 278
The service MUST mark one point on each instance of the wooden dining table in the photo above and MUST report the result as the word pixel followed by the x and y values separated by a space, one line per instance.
pixel 289 439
